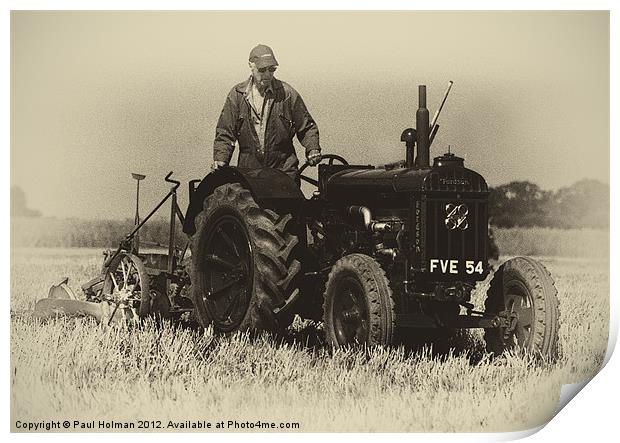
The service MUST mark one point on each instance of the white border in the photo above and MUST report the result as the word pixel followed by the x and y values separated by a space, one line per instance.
pixel 592 416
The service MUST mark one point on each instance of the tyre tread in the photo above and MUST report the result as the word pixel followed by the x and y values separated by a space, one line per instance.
pixel 378 295
pixel 275 266
pixel 545 326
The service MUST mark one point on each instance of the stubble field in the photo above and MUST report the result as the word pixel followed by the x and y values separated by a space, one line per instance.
pixel 74 369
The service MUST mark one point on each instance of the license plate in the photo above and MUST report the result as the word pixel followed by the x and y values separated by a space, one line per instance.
pixel 441 266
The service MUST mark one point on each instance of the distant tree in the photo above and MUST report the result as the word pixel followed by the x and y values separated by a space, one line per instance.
pixel 19 207
pixel 584 204
pixel 518 203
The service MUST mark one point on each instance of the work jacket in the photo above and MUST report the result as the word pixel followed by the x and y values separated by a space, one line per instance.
pixel 287 117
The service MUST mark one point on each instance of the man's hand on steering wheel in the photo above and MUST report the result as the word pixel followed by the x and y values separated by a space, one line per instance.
pixel 314 157
pixel 330 157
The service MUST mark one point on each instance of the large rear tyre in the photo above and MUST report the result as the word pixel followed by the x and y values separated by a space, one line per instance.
pixel 243 264
pixel 358 306
pixel 523 290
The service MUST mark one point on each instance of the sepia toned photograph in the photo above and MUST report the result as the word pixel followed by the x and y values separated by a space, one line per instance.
pixel 317 221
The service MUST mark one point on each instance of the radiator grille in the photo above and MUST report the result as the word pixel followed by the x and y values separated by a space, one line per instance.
pixel 454 244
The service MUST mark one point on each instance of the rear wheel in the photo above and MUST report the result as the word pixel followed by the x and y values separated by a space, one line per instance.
pixel 522 289
pixel 243 266
pixel 358 306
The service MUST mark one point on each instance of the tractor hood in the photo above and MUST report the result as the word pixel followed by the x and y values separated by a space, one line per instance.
pixel 446 174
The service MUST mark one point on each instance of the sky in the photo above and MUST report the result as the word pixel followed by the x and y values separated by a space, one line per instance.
pixel 98 95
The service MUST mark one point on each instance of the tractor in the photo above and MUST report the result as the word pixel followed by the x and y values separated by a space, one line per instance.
pixel 373 252
pixel 376 252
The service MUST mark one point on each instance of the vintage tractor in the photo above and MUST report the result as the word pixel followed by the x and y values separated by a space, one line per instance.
pixel 374 253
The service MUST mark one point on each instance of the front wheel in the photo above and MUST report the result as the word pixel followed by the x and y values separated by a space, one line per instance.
pixel 358 306
pixel 523 291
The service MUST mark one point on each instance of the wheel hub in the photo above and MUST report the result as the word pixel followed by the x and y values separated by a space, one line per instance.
pixel 512 320
pixel 350 313
pixel 518 316
pixel 228 261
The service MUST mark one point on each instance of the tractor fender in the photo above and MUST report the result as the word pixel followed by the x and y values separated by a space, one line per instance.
pixel 270 188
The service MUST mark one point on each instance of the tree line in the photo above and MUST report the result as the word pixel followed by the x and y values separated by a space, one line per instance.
pixel 584 204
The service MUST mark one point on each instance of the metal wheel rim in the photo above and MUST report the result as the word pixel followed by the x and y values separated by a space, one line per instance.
pixel 124 283
pixel 228 265
pixel 350 312
pixel 518 301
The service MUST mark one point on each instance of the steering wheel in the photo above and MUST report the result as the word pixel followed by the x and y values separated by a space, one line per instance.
pixel 330 157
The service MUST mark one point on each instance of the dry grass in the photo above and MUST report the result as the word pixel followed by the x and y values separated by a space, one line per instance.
pixel 553 242
pixel 75 369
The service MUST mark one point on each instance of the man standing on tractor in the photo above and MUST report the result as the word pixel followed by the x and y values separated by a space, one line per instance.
pixel 263 114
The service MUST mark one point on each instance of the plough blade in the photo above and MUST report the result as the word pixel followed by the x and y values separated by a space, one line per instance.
pixel 62 301
pixel 55 307
pixel 62 291
pixel 104 312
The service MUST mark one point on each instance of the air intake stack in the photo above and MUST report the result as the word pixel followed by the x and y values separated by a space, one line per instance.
pixel 422 130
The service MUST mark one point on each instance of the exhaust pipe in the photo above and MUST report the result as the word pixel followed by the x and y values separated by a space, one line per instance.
pixel 369 223
pixel 422 130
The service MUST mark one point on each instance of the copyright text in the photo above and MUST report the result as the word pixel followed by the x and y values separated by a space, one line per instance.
pixel 163 425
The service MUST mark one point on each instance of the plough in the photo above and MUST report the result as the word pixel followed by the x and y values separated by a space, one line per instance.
pixel 131 284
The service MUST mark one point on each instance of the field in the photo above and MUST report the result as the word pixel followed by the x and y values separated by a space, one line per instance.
pixel 78 370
